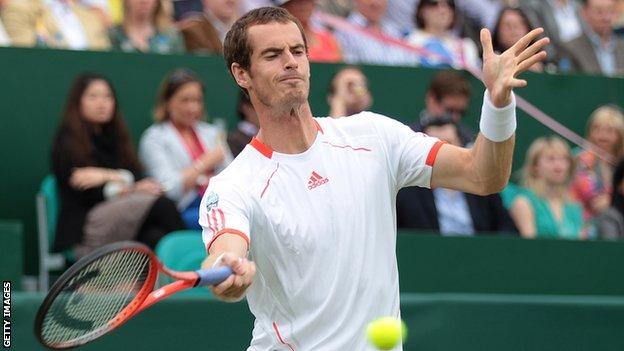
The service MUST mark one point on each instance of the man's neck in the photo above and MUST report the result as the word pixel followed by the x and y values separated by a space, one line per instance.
pixel 288 132
pixel 138 22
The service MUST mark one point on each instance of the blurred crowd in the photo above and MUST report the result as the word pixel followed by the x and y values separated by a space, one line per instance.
pixel 586 35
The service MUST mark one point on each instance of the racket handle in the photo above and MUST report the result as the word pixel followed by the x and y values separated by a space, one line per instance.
pixel 213 276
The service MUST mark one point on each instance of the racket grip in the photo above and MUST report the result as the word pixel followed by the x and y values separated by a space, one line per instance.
pixel 213 276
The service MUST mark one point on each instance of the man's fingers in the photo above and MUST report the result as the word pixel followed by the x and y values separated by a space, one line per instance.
pixel 518 83
pixel 526 64
pixel 225 285
pixel 486 42
pixel 521 44
pixel 531 50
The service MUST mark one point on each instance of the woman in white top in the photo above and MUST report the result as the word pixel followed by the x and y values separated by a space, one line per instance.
pixel 180 150
pixel 434 33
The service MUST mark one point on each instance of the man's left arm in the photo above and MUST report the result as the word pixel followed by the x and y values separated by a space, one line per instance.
pixel 485 168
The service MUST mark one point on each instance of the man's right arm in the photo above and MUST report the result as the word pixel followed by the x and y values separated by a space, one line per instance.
pixel 230 249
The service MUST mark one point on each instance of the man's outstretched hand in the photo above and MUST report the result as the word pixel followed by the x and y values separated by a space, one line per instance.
pixel 500 71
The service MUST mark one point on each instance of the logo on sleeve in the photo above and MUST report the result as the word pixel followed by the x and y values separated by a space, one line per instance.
pixel 316 180
pixel 212 201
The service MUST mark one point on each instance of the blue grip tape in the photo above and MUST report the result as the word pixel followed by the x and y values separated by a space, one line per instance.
pixel 213 276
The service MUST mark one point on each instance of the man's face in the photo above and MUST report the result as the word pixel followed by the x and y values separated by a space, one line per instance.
pixel 455 105
pixel 373 10
pixel 279 73
pixel 600 15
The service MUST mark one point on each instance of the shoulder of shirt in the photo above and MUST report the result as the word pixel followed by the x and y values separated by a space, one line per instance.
pixel 240 173
pixel 361 123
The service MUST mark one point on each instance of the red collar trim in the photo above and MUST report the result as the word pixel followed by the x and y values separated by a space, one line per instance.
pixel 267 151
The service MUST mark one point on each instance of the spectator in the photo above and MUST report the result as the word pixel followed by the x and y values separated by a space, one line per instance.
pixel 95 166
pixel 360 48
pixel 180 150
pixel 451 212
pixel 610 223
pixel 597 50
pixel 247 127
pixel 204 33
pixel 4 37
pixel 348 93
pixel 511 25
pixel 322 45
pixel 560 19
pixel 434 23
pixel 543 209
pixel 592 182
pixel 448 95
pixel 146 27
pixel 62 24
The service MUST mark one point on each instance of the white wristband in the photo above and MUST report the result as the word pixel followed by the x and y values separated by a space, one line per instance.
pixel 497 124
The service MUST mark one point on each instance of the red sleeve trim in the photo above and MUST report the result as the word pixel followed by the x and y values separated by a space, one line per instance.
pixel 227 231
pixel 433 153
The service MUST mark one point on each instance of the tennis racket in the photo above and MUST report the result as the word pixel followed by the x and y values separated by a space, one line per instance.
pixel 106 288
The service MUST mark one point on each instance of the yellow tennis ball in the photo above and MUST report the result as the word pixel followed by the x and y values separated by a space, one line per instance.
pixel 386 332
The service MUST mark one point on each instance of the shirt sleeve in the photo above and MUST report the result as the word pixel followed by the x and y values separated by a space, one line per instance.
pixel 223 210
pixel 410 155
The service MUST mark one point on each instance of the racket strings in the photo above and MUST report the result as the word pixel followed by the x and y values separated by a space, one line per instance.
pixel 95 296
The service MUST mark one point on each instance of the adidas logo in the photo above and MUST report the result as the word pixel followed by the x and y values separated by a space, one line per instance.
pixel 316 180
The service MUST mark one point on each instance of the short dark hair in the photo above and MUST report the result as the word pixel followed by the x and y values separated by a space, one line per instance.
pixel 418 16
pixel 447 83
pixel 236 47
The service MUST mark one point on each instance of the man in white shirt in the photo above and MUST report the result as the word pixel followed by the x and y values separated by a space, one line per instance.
pixel 305 214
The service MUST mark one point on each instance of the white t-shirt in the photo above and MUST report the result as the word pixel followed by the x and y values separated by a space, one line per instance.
pixel 322 229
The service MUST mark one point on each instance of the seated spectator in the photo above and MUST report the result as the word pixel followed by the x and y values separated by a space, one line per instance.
pixel 448 211
pixel 448 95
pixel 61 24
pixel 592 182
pixel 511 25
pixel 543 208
pixel 102 197
pixel 561 20
pixel 146 27
pixel 322 45
pixel 434 23
pixel 180 150
pixel 204 33
pixel 609 224
pixel 348 93
pixel 247 127
pixel 597 49
pixel 360 48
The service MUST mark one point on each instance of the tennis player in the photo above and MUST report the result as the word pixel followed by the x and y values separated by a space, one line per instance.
pixel 305 215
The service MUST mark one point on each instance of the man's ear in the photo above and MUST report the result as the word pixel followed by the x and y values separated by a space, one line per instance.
pixel 241 75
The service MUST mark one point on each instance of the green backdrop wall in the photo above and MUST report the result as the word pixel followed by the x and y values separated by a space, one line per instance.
pixel 34 84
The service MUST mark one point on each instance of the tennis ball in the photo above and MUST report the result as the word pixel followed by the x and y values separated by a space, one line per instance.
pixel 386 332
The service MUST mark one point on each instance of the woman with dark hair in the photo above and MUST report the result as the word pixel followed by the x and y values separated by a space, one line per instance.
pixel 511 25
pixel 96 167
pixel 180 150
pixel 434 32
pixel 610 224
